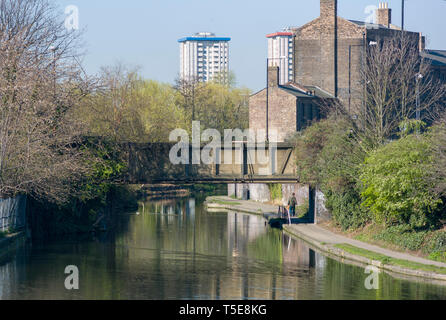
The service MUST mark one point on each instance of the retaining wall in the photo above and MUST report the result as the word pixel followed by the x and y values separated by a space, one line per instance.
pixel 13 213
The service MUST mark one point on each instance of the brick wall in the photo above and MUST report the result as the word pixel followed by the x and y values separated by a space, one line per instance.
pixel 315 59
pixel 282 112
pixel 317 55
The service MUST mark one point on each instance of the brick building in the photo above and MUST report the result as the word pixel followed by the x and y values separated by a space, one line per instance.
pixel 291 106
pixel 330 51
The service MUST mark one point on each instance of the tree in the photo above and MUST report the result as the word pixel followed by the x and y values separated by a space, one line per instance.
pixel 128 108
pixel 188 89
pixel 41 82
pixel 216 105
pixel 396 77
pixel 110 110
pixel 221 107
pixel 397 182
pixel 158 110
pixel 329 157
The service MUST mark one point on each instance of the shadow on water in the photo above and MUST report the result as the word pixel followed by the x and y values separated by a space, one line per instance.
pixel 174 249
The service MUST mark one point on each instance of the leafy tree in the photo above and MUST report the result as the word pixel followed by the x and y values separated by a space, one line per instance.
pixel 397 185
pixel 222 107
pixel 158 112
pixel 329 157
pixel 111 111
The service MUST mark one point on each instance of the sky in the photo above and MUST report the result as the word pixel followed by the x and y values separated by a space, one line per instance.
pixel 144 33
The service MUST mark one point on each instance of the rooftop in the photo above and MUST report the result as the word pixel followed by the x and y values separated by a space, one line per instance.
pixel 277 34
pixel 373 25
pixel 437 57
pixel 305 91
pixel 204 36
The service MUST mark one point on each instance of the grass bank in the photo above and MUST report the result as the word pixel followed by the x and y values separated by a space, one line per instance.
pixel 429 244
pixel 389 260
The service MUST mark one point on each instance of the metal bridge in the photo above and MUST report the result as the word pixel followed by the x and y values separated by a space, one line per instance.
pixel 259 163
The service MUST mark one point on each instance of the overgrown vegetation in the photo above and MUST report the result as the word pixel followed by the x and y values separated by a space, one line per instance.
pixel 275 190
pixel 61 131
pixel 328 156
pixel 302 210
pixel 397 183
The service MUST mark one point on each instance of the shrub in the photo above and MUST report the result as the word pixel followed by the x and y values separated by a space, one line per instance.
pixel 403 236
pixel 437 246
pixel 396 183
pixel 328 154
pixel 346 209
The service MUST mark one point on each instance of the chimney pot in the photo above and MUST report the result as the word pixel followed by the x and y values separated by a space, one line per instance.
pixel 384 14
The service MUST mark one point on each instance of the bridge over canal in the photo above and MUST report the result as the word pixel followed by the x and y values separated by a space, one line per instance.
pixel 242 163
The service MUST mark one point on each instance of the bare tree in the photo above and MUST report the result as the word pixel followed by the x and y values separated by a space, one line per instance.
pixel 399 85
pixel 189 89
pixel 41 82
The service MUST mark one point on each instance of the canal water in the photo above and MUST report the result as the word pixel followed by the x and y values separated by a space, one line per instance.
pixel 174 249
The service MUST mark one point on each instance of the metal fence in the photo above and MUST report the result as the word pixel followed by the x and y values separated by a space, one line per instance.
pixel 12 213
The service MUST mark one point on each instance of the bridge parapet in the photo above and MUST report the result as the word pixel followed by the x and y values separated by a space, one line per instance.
pixel 151 163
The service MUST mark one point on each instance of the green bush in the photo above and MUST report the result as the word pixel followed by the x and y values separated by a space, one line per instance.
pixel 403 236
pixel 397 185
pixel 328 154
pixel 437 246
pixel 346 209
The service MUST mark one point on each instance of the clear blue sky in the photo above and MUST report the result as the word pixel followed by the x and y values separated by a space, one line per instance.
pixel 145 32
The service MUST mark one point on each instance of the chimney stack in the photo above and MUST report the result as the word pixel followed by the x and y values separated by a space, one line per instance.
pixel 384 14
pixel 329 8
pixel 273 76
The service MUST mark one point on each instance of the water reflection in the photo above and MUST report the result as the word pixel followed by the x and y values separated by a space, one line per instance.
pixel 174 249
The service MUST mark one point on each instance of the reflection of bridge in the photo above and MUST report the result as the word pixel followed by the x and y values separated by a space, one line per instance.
pixel 150 163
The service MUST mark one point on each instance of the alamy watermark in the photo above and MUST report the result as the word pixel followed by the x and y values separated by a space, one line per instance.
pixel 72 281
pixel 372 281
pixel 370 19
pixel 72 18
pixel 190 150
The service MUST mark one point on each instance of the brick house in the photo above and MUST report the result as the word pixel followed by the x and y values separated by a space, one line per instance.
pixel 328 56
pixel 291 106
pixel 329 51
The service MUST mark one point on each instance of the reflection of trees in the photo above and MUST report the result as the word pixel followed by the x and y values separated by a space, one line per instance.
pixel 189 254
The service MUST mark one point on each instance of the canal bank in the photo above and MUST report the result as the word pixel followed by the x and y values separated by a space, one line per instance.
pixel 343 247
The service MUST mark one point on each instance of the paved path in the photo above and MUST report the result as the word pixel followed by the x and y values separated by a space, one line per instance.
pixel 323 235
pixel 311 231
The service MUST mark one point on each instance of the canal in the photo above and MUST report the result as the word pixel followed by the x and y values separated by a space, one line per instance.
pixel 174 249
